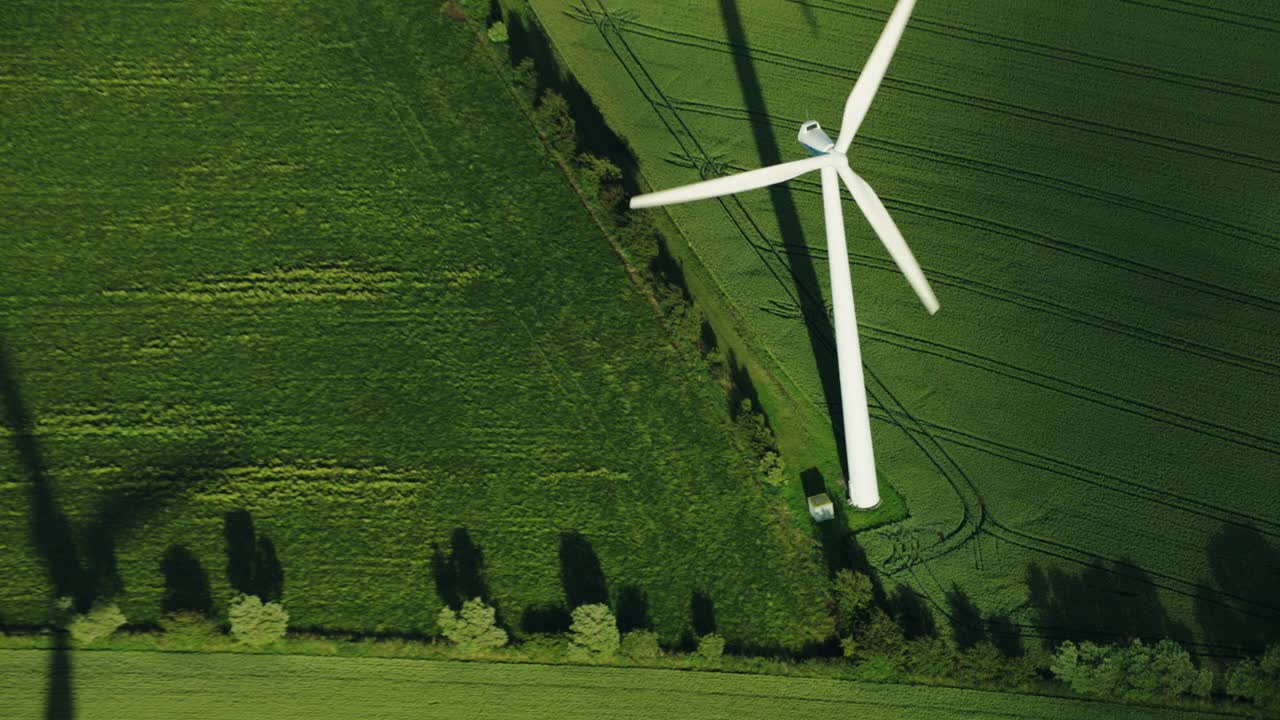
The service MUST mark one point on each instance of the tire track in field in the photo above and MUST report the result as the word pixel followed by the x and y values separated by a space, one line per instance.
pixel 974 505
pixel 1029 302
pixel 1138 408
pixel 1054 52
pixel 934 92
pixel 1126 569
pixel 1192 9
pixel 1260 238
pixel 1041 240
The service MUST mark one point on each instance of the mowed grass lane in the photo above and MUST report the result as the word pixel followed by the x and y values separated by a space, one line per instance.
pixel 1085 434
pixel 223 687
pixel 310 263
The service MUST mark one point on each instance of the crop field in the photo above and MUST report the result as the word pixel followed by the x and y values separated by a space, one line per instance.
pixel 292 300
pixel 1086 435
pixel 214 686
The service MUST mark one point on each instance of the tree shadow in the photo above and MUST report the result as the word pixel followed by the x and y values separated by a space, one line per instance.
pixel 186 586
pixel 548 619
pixel 594 134
pixel 911 611
pixel 1245 613
pixel 702 613
pixel 808 288
pixel 966 620
pixel 632 610
pixel 580 572
pixel 1110 603
pixel 459 576
pixel 253 568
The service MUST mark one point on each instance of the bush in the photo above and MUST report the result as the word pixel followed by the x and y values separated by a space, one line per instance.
pixel 710 647
pixel 641 645
pixel 472 629
pixel 878 635
pixel 594 633
pixel 1133 671
pixel 1257 679
pixel 188 629
pixel 554 117
pixel 852 596
pixel 498 32
pixel 101 620
pixel 254 622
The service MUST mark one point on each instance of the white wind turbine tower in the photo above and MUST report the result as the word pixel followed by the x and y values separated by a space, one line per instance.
pixel 830 160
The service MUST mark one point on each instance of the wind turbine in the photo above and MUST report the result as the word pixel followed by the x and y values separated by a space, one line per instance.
pixel 829 159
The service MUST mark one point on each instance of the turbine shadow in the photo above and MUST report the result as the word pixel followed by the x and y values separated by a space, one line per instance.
pixel 809 290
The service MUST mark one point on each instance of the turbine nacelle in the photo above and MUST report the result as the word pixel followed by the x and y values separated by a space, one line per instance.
pixel 815 139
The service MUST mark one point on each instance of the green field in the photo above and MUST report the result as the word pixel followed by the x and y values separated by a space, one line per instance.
pixel 1085 436
pixel 141 685
pixel 291 295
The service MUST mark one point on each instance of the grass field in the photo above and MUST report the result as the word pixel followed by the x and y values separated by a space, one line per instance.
pixel 1085 436
pixel 292 296
pixel 146 685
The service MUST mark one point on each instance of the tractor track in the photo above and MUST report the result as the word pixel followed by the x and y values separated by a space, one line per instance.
pixel 1054 52
pixel 933 92
pixel 1260 238
pixel 1262 24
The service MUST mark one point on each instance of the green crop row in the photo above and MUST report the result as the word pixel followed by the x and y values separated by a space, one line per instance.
pixel 296 287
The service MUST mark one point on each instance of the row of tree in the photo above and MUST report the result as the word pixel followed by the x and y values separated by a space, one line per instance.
pixel 593 634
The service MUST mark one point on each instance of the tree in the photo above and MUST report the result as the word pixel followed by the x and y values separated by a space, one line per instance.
pixel 853 596
pixel 100 621
pixel 1257 679
pixel 1133 671
pixel 472 629
pixel 710 647
pixel 594 632
pixel 641 645
pixel 254 622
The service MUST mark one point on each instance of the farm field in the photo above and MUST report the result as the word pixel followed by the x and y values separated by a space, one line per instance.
pixel 142 685
pixel 1086 435
pixel 293 301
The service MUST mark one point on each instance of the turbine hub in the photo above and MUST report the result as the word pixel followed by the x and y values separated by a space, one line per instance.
pixel 814 139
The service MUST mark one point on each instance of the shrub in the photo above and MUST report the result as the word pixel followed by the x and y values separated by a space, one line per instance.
pixel 1257 679
pixel 1202 687
pixel 100 621
pixel 641 645
pixel 852 595
pixel 254 622
pixel 472 629
pixel 553 115
pixel 498 32
pixel 189 629
pixel 594 632
pixel 1133 671
pixel 710 647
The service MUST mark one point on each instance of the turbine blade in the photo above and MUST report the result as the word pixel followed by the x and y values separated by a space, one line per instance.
pixel 864 90
pixel 863 489
pixel 730 184
pixel 889 234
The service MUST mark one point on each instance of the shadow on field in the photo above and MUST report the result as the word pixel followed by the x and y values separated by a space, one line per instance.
pixel 1245 566
pixel 584 583
pixel 808 289
pixel 632 610
pixel 87 572
pixel 1102 604
pixel 252 565
pixel 186 585
pixel 459 576
pixel 580 572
